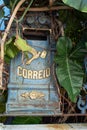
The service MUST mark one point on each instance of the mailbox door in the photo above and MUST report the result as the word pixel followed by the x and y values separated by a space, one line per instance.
pixel 31 89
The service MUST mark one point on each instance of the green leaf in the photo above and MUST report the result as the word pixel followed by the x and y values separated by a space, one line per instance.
pixel 2 13
pixel 65 47
pixel 10 50
pixel 77 4
pixel 14 45
pixel 22 45
pixel 78 54
pixel 27 120
pixel 69 72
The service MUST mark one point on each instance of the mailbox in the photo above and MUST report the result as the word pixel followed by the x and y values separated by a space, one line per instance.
pixel 31 88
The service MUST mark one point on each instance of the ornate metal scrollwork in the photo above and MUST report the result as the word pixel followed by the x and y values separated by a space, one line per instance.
pixel 32 95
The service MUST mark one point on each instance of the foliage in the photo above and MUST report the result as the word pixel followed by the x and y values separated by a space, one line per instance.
pixel 27 120
pixel 3 98
pixel 74 24
pixel 21 44
pixel 14 45
pixel 10 50
pixel 77 4
pixel 2 109
pixel 75 27
pixel 69 71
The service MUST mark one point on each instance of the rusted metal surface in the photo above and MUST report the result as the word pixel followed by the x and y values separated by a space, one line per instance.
pixel 47 9
pixel 28 114
pixel 45 127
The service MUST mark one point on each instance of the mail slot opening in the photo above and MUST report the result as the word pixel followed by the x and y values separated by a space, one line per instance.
pixel 36 35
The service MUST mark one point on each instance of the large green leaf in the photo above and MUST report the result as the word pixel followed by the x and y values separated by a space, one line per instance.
pixel 77 4
pixel 69 72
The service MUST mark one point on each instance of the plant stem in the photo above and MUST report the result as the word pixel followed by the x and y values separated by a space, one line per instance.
pixel 26 11
pixel 14 5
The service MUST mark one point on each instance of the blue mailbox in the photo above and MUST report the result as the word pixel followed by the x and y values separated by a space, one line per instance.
pixel 31 88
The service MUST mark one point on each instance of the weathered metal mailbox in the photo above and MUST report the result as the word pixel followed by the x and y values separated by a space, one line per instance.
pixel 31 88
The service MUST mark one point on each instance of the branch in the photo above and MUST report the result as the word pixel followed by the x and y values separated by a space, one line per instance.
pixel 26 10
pixel 34 9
